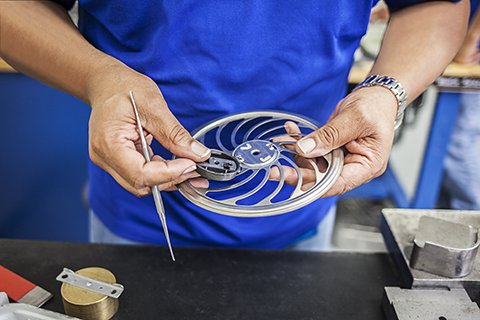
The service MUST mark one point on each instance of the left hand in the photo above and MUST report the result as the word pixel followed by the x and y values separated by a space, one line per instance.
pixel 362 123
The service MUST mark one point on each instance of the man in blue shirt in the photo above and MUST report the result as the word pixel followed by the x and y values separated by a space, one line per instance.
pixel 189 62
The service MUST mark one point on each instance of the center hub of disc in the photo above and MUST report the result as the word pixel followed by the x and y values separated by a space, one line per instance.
pixel 256 153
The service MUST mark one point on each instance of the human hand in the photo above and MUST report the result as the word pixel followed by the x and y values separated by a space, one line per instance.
pixel 363 123
pixel 114 140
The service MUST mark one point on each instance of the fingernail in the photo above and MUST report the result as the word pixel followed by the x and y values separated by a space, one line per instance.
pixel 287 128
pixel 190 169
pixel 306 145
pixel 274 178
pixel 199 149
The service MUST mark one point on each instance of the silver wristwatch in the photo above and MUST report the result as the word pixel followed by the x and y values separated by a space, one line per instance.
pixel 395 87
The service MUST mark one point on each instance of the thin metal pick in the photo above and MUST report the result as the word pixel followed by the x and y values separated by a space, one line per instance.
pixel 155 191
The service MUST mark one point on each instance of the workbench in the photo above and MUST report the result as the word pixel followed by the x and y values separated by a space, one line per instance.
pixel 215 283
pixel 5 67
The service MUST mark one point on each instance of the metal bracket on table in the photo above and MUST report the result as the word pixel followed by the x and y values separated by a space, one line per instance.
pixel 444 248
pixel 69 276
pixel 403 304
pixel 400 230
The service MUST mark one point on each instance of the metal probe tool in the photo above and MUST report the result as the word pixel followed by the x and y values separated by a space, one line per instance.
pixel 155 191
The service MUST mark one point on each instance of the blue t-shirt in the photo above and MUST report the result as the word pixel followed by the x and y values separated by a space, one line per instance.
pixel 214 58
pixel 473 8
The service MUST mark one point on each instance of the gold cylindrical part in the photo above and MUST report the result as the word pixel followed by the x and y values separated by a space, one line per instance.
pixel 89 305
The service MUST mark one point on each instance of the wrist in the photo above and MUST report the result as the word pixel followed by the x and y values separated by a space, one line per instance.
pixel 394 87
pixel 106 78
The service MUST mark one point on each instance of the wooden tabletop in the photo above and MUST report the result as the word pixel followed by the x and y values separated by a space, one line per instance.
pixel 4 67
pixel 360 71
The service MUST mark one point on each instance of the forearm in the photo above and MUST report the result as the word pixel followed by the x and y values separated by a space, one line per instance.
pixel 420 41
pixel 39 39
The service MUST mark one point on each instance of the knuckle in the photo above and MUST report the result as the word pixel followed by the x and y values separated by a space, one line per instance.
pixel 139 193
pixel 94 157
pixel 349 185
pixel 178 134
pixel 380 171
pixel 151 176
pixel 169 178
pixel 329 135
pixel 138 183
pixel 344 185
pixel 94 145
pixel 170 174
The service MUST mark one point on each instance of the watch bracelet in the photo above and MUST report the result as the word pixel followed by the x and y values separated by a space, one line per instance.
pixel 394 86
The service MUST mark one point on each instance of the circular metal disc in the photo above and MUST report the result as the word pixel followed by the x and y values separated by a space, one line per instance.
pixel 250 145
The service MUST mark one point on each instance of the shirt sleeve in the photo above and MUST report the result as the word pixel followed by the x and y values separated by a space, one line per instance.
pixel 397 4
pixel 67 4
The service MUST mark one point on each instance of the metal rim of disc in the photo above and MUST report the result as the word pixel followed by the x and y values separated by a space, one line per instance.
pixel 261 126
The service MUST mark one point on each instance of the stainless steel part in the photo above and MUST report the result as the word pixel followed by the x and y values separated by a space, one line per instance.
pixel 69 276
pixel 258 141
pixel 399 227
pixel 155 191
pixel 403 304
pixel 221 166
pixel 36 297
pixel 444 247
pixel 21 311
pixel 3 298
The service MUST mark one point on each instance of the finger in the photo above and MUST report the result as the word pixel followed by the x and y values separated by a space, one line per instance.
pixel 139 192
pixel 165 127
pixel 192 176
pixel 198 182
pixel 291 127
pixel 149 140
pixel 164 173
pixel 289 140
pixel 367 112
pixel 331 136
pixel 195 181
pixel 291 175
pixel 131 171
pixel 355 172
pixel 346 181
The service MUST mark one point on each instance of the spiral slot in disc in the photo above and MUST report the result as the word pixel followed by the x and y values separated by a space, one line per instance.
pixel 259 142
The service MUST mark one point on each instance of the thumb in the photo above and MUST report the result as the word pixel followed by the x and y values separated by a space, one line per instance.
pixel 335 134
pixel 173 136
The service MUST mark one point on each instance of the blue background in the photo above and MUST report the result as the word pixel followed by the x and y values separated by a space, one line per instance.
pixel 43 161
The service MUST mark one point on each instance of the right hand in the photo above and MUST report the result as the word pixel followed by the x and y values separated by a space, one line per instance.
pixel 114 140
pixel 363 124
